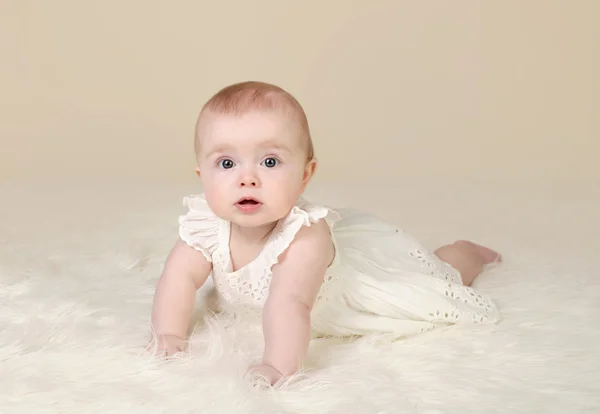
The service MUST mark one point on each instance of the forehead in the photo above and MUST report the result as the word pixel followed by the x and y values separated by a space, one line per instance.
pixel 247 130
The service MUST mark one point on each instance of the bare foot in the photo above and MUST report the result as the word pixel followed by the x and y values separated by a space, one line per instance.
pixel 468 258
pixel 488 255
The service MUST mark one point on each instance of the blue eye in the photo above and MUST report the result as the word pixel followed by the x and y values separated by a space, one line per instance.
pixel 226 164
pixel 270 162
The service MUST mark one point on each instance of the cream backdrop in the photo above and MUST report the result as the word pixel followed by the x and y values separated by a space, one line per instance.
pixel 394 90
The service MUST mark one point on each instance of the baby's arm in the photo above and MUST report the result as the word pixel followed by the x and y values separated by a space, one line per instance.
pixel 296 281
pixel 184 272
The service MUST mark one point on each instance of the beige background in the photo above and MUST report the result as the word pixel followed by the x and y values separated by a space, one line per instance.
pixel 397 90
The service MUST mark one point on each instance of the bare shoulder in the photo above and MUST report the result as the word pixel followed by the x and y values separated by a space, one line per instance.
pixel 185 260
pixel 312 243
pixel 302 267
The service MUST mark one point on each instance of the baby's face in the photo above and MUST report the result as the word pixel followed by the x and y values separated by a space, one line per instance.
pixel 253 167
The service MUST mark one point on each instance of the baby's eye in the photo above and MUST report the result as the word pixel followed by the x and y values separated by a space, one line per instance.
pixel 270 162
pixel 226 164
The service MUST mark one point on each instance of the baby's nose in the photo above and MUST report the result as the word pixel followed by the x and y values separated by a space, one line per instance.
pixel 249 180
pixel 250 183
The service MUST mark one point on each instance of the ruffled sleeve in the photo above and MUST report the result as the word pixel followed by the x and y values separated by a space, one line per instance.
pixel 302 214
pixel 199 227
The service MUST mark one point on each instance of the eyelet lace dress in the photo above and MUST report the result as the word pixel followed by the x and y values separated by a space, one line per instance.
pixel 382 280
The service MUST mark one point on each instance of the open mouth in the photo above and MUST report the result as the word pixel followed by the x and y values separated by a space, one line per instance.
pixel 248 202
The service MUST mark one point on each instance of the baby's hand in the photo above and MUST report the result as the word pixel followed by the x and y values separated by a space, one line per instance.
pixel 270 374
pixel 167 345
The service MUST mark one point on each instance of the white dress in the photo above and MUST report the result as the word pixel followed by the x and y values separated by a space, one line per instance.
pixel 381 280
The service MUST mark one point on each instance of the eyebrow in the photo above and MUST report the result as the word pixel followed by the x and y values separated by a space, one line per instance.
pixel 269 144
pixel 274 145
pixel 216 150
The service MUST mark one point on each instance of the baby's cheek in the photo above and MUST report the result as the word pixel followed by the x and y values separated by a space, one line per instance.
pixel 215 196
pixel 287 194
pixel 214 182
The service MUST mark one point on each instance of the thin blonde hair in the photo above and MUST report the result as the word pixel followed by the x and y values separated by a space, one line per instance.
pixel 243 97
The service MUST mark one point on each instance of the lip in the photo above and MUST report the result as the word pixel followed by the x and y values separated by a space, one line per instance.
pixel 250 207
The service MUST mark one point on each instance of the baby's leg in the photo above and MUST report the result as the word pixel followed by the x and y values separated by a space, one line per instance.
pixel 468 258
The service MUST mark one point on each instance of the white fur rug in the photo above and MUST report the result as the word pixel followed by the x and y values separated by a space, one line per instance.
pixel 78 266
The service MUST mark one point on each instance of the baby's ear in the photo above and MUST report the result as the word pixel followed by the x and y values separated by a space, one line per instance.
pixel 197 171
pixel 309 171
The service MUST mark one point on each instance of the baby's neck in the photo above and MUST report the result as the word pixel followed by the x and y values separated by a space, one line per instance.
pixel 253 235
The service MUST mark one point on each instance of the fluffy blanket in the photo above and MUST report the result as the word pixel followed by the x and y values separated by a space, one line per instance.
pixel 78 266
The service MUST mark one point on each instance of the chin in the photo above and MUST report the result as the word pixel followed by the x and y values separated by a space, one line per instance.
pixel 252 220
pixel 260 218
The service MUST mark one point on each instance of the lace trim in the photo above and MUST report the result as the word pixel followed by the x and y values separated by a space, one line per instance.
pixel 286 231
pixel 199 227
pixel 483 308
pixel 253 282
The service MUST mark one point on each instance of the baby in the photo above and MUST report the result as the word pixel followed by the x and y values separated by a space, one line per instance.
pixel 305 269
